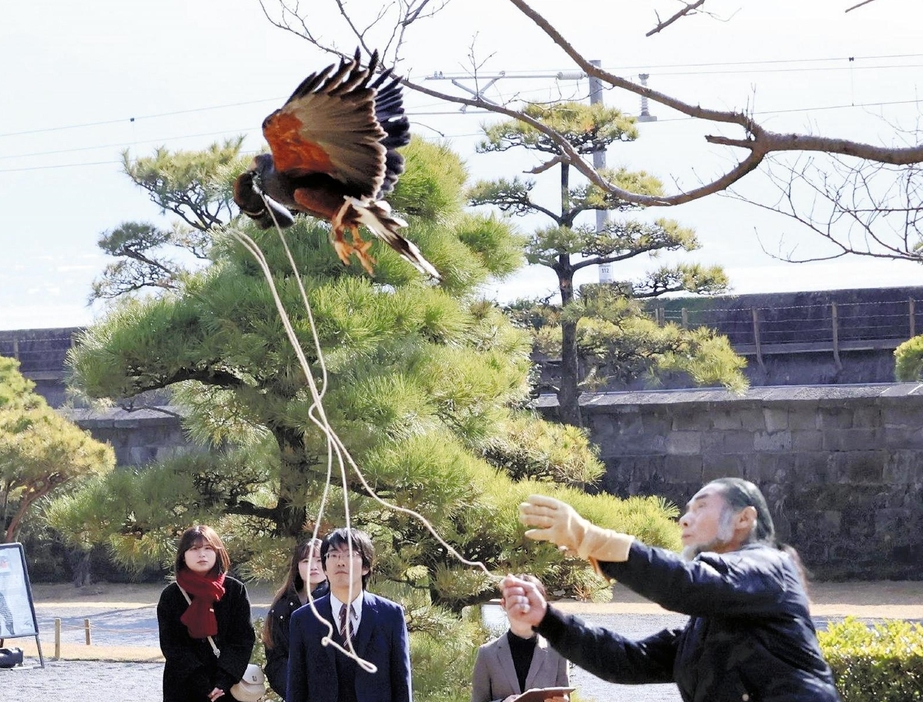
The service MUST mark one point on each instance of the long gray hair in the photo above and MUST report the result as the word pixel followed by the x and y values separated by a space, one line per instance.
pixel 739 494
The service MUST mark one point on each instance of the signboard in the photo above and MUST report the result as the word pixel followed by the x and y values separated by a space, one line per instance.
pixel 17 611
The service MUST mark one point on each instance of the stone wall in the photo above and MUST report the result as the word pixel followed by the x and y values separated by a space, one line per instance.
pixel 138 437
pixel 841 466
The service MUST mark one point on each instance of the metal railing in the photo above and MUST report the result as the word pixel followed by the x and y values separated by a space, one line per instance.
pixel 824 327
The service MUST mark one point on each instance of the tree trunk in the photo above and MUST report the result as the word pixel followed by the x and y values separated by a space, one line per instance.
pixel 290 509
pixel 82 570
pixel 568 392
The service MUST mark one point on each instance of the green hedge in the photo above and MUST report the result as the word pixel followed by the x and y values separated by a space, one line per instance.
pixel 880 663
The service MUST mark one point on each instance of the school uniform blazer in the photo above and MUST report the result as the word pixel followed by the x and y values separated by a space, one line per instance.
pixel 381 640
pixel 495 678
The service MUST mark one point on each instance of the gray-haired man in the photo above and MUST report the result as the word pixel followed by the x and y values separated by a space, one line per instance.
pixel 749 636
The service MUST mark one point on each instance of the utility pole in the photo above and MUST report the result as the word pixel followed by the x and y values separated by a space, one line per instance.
pixel 599 161
pixel 645 115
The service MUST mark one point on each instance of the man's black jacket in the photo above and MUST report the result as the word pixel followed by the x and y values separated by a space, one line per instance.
pixel 749 637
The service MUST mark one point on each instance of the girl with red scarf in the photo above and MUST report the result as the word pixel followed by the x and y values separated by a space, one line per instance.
pixel 217 607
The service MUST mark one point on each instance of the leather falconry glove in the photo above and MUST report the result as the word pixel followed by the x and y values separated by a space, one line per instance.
pixel 560 524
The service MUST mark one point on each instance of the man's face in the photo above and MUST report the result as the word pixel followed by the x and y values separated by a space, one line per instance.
pixel 705 524
pixel 345 569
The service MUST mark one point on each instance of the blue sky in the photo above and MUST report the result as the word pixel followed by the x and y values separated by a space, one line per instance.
pixel 81 85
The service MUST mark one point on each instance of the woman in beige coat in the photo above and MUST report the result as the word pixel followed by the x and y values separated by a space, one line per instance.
pixel 519 660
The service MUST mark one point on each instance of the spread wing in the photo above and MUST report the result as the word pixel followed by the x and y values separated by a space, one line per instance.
pixel 329 125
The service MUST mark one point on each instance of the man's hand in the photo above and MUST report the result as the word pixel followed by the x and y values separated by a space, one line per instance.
pixel 522 601
pixel 215 694
pixel 560 524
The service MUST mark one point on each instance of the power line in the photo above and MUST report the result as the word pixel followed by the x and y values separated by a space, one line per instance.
pixel 650 68
pixel 568 73
pixel 414 115
pixel 135 119
pixel 788 70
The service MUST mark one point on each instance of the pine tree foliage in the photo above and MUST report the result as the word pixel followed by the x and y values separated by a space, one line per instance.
pixel 595 347
pixel 425 385
pixel 41 452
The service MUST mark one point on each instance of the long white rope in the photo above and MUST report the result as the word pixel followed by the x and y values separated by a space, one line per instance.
pixel 335 446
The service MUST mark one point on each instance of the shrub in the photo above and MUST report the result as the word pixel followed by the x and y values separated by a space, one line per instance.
pixel 908 360
pixel 879 663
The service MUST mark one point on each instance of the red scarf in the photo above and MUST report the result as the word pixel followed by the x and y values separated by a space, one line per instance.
pixel 204 590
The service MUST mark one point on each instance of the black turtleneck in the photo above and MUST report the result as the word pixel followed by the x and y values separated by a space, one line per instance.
pixel 522 651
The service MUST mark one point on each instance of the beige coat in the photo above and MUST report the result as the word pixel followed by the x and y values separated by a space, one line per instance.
pixel 494 675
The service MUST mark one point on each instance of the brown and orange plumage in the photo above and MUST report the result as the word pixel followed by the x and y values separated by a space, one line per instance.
pixel 334 156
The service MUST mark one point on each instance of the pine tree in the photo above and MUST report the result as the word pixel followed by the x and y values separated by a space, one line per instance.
pixel 593 329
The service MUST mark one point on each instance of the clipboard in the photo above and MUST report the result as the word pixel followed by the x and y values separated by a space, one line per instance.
pixel 540 694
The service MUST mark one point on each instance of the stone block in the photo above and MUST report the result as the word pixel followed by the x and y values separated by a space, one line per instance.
pixel 851 439
pixel 779 441
pixel 712 442
pixel 801 418
pixel 902 414
pixel 682 469
pixel 768 468
pixel 807 440
pixel 903 467
pixel 642 445
pixel 867 416
pixel 866 467
pixel 684 420
pixel 683 442
pixel 751 418
pixel 724 420
pixel 831 520
pixel 837 417
pixel 858 522
pixel 737 442
pixel 604 428
pixel 894 437
pixel 656 424
pixel 714 467
pixel 142 455
pixel 775 420
pixel 820 524
pixel 812 468
pixel 628 424
pixel 890 523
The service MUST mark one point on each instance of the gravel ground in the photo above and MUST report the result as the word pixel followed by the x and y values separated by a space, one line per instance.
pixel 126 616
pixel 98 681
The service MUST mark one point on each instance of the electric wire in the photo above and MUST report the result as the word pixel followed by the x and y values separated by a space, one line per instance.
pixel 509 74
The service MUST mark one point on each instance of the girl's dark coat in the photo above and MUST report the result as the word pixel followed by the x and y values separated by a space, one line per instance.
pixel 280 615
pixel 192 670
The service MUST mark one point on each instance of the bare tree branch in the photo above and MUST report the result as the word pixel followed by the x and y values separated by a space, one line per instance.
pixel 864 2
pixel 757 141
pixel 873 210
pixel 688 9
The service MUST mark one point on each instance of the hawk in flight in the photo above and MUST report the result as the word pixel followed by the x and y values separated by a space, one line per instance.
pixel 334 156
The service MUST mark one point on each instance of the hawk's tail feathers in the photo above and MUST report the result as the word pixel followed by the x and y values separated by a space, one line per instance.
pixel 376 216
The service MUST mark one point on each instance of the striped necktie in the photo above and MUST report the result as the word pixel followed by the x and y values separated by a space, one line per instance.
pixel 346 624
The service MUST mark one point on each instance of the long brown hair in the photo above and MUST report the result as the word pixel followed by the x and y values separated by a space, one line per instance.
pixel 293 581
pixel 196 536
